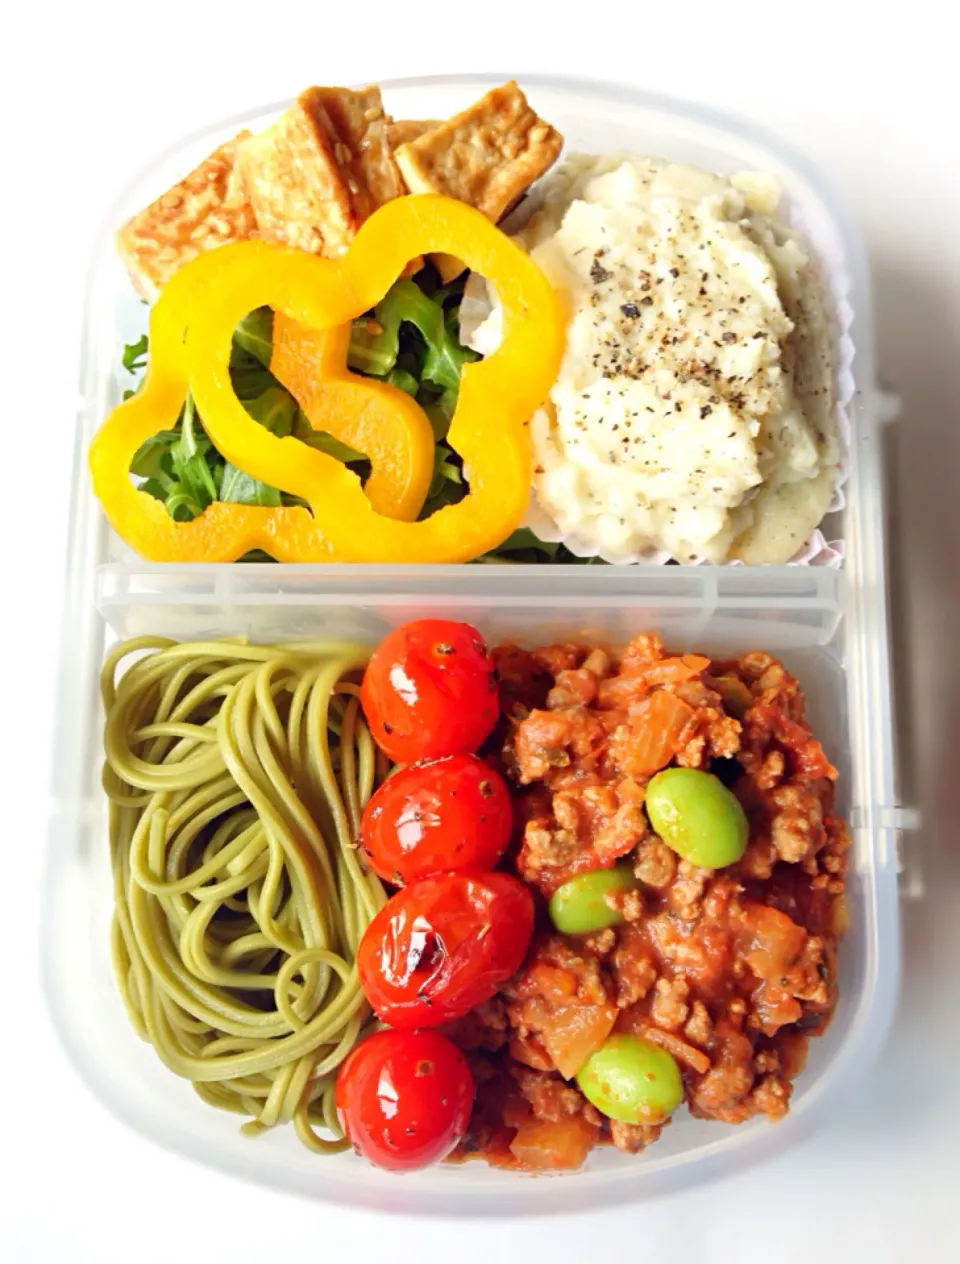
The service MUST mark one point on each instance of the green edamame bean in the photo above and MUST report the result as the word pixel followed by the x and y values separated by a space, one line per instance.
pixel 578 907
pixel 632 1080
pixel 697 816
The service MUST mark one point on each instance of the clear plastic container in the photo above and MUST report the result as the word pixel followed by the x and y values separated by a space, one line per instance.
pixel 829 626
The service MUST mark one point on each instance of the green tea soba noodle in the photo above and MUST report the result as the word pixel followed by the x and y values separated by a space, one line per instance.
pixel 236 776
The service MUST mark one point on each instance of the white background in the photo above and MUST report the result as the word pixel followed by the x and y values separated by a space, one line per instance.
pixel 870 93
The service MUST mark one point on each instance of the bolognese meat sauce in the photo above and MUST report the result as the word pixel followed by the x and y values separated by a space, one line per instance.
pixel 730 970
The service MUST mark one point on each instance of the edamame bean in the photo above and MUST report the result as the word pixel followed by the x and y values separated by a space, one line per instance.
pixel 579 907
pixel 632 1080
pixel 697 816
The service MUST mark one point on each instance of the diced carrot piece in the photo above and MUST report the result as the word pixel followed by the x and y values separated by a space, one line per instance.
pixel 553 1143
pixel 657 733
pixel 576 1030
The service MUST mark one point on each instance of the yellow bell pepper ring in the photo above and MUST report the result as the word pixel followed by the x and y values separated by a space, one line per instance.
pixel 496 398
pixel 390 428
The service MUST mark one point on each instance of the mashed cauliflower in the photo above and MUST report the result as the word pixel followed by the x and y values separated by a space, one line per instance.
pixel 694 410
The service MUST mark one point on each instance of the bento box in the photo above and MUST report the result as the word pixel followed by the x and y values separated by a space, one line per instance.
pixel 828 623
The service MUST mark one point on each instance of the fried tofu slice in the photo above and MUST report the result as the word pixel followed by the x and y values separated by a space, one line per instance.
pixel 402 131
pixel 321 169
pixel 488 155
pixel 208 208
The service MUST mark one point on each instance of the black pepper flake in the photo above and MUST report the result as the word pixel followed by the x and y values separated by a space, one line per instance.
pixel 729 336
pixel 647 302
pixel 705 411
pixel 598 273
pixel 630 309
pixel 674 272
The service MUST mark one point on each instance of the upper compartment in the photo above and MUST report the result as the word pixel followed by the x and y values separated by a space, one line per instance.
pixel 606 121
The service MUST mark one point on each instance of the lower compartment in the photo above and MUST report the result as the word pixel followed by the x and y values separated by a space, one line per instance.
pixel 795 615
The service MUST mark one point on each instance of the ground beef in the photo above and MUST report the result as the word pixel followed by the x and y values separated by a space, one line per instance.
pixel 730 970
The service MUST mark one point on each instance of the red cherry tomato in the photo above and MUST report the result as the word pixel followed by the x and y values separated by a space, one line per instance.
pixel 430 690
pixel 441 946
pixel 440 816
pixel 404 1098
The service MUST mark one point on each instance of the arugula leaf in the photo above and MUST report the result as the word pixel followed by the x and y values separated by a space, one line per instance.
pixel 440 411
pixel 411 341
pixel 445 356
pixel 444 467
pixel 275 409
pixel 522 546
pixel 524 538
pixel 404 380
pixel 254 335
pixel 147 461
pixel 155 488
pixel 447 485
pixel 375 344
pixel 189 460
pixel 251 379
pixel 238 488
pixel 134 358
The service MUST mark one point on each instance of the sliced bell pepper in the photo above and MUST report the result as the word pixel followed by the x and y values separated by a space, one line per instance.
pixel 209 296
pixel 373 417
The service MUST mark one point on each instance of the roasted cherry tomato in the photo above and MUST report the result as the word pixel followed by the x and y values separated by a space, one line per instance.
pixel 440 816
pixel 441 946
pixel 404 1098
pixel 430 690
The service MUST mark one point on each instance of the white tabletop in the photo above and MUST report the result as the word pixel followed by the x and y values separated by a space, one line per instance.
pixel 871 95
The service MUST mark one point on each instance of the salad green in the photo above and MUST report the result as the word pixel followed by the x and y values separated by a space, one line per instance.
pixel 410 339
